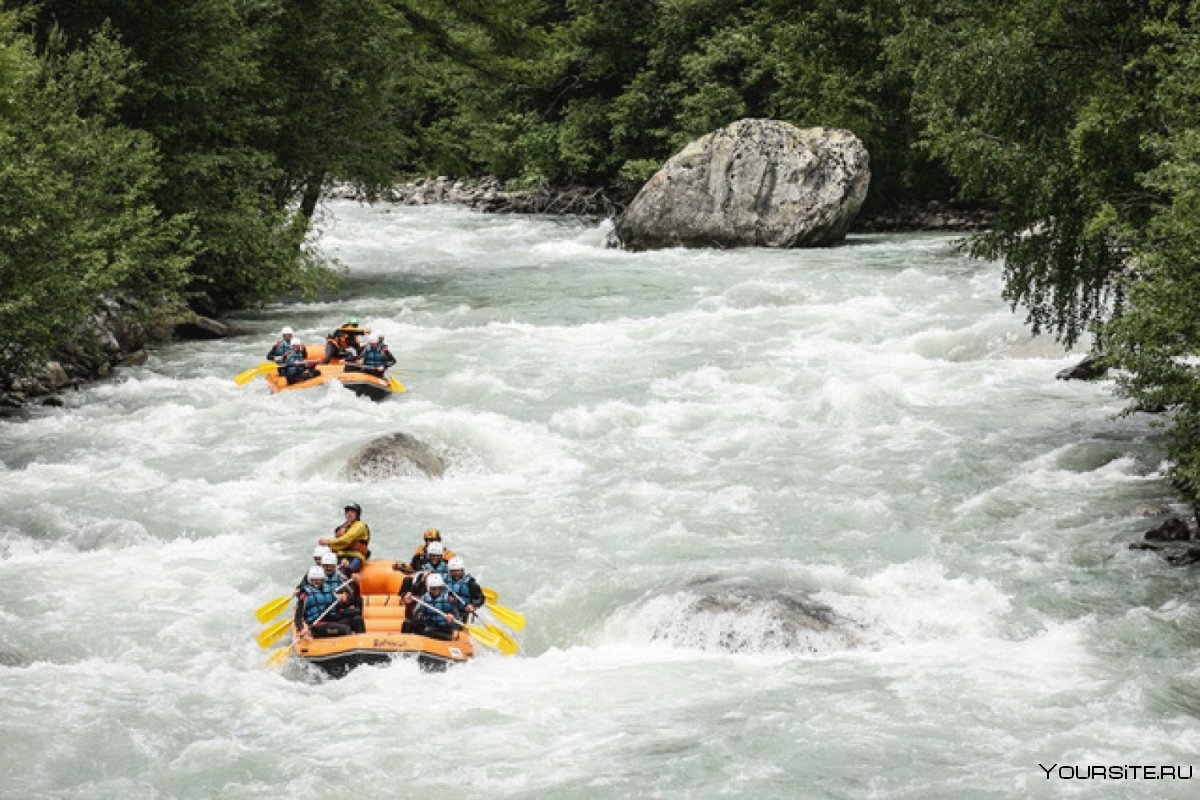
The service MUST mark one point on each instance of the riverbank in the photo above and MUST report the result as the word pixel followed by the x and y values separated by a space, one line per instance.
pixel 115 335
pixel 490 196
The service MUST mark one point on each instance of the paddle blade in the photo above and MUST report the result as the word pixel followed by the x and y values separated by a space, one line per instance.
pixel 484 637
pixel 245 376
pixel 490 595
pixel 511 618
pixel 269 611
pixel 279 656
pixel 395 385
pixel 506 644
pixel 273 633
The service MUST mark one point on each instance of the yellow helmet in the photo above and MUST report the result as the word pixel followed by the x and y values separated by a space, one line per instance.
pixel 433 535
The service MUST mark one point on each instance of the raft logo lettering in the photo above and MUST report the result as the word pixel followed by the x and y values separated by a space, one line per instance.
pixel 1117 772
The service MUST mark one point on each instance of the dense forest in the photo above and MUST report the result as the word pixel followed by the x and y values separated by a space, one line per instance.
pixel 167 151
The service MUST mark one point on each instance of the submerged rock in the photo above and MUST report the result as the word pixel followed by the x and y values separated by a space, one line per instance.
pixel 13 658
pixel 397 454
pixel 755 182
pixel 1172 540
pixel 1173 530
pixel 736 615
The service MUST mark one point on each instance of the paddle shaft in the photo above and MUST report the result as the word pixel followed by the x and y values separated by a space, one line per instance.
pixel 421 602
pixel 462 602
pixel 332 605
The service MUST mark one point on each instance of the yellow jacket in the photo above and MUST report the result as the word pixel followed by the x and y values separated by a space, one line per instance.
pixel 347 542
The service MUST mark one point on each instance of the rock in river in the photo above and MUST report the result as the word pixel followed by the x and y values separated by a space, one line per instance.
pixel 756 182
pixel 397 454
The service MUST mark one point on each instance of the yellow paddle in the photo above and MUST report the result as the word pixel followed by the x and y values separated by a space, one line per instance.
pixel 484 637
pixel 245 376
pixel 395 385
pixel 490 594
pixel 503 642
pixel 269 611
pixel 273 633
pixel 511 618
pixel 279 656
pixel 506 644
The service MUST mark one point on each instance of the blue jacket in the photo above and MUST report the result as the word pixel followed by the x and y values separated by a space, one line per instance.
pixel 314 601
pixel 377 357
pixel 465 590
pixel 441 568
pixel 293 364
pixel 434 619
pixel 280 349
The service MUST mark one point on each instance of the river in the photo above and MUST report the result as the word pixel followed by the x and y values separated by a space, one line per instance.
pixel 813 523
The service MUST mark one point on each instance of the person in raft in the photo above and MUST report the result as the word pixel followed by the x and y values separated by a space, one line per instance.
pixel 336 575
pixel 464 590
pixel 314 617
pixel 375 358
pixel 420 556
pixel 417 582
pixel 282 346
pixel 343 342
pixel 319 553
pixel 351 540
pixel 295 367
pixel 434 615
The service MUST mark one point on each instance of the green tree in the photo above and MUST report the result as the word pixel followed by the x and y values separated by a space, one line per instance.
pixel 258 106
pixel 1155 339
pixel 1039 105
pixel 621 85
pixel 77 216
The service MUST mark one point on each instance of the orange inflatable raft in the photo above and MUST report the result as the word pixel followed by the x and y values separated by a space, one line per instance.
pixel 361 383
pixel 383 614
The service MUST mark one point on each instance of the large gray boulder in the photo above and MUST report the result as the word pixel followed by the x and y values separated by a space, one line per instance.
pixel 756 182
pixel 396 455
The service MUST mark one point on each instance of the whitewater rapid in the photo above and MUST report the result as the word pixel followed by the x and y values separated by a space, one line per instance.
pixel 784 524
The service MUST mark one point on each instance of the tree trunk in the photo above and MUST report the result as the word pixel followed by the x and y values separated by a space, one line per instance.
pixel 312 194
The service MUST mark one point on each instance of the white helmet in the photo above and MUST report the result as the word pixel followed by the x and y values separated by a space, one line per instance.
pixel 372 338
pixel 315 573
pixel 297 344
pixel 320 550
pixel 435 581
pixel 456 563
pixel 435 549
pixel 329 558
pixel 287 331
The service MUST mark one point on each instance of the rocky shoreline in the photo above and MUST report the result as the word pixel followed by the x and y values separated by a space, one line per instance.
pixel 1175 539
pixel 490 196
pixel 115 335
